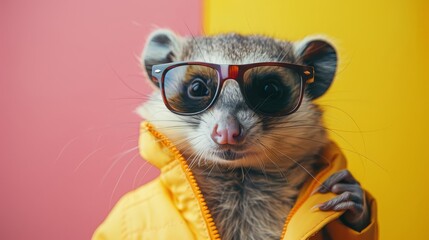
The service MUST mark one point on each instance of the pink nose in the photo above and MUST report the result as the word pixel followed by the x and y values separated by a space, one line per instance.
pixel 226 132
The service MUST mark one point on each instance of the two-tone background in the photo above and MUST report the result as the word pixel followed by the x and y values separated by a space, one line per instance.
pixel 70 80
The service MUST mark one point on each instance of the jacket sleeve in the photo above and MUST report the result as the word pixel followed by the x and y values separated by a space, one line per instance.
pixel 337 229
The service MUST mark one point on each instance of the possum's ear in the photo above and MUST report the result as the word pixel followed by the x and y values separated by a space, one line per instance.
pixel 163 46
pixel 320 54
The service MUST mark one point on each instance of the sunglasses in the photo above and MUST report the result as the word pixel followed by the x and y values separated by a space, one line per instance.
pixel 269 88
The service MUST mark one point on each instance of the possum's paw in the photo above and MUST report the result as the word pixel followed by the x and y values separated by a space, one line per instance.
pixel 351 199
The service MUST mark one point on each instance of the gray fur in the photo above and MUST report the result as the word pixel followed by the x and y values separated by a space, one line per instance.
pixel 249 197
pixel 251 203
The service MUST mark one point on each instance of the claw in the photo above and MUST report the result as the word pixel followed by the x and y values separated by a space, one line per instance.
pixel 316 208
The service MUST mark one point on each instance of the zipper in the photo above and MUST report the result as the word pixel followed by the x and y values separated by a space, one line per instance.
pixel 213 232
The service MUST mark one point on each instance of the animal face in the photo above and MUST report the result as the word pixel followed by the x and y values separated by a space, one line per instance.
pixel 232 131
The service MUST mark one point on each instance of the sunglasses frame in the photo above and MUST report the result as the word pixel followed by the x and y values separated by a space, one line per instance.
pixel 231 72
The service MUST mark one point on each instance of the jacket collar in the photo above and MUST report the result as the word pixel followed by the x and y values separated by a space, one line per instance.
pixel 302 222
pixel 155 147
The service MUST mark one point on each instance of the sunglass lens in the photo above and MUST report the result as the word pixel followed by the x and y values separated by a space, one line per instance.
pixel 190 89
pixel 272 90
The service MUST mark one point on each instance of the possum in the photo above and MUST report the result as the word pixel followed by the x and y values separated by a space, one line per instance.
pixel 249 162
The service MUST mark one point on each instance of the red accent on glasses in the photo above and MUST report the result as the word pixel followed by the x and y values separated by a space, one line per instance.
pixel 233 72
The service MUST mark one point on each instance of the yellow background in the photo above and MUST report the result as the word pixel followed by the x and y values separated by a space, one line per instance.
pixel 377 107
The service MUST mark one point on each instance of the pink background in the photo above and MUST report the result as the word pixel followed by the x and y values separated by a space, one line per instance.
pixel 66 109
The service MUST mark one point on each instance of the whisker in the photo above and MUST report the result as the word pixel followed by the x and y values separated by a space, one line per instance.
pixel 131 98
pixel 265 147
pixel 120 177
pixel 144 175
pixel 342 148
pixel 88 157
pixel 299 164
pixel 353 120
pixel 211 169
pixel 65 147
pixel 118 158
pixel 195 42
pixel 137 173
pixel 123 82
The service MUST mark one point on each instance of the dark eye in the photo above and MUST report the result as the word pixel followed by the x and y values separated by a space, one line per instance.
pixel 271 90
pixel 198 89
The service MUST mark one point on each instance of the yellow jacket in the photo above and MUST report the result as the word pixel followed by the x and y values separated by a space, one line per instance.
pixel 172 206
